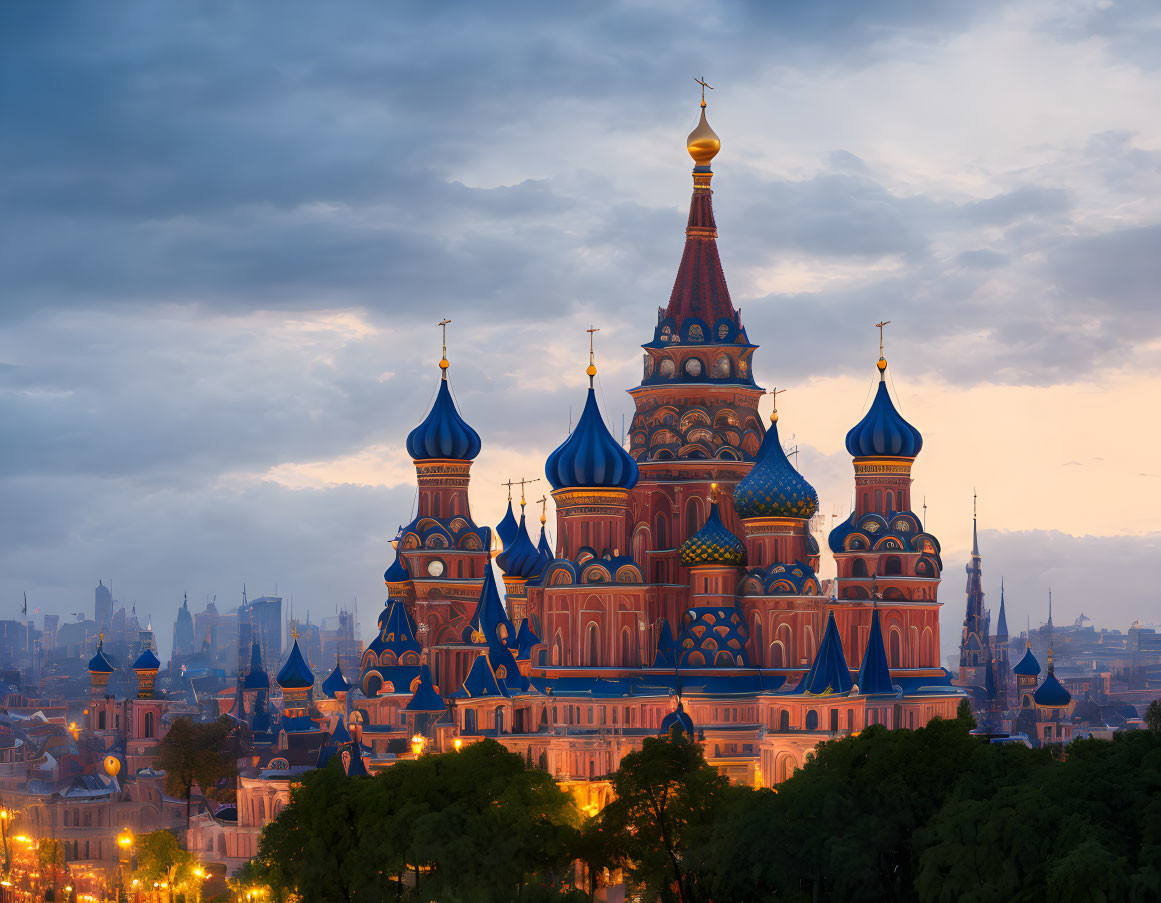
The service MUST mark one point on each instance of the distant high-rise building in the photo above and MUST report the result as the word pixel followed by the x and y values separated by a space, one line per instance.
pixel 183 633
pixel 260 619
pixel 103 607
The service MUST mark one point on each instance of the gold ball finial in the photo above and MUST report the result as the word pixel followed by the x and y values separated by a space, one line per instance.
pixel 773 416
pixel 444 364
pixel 882 364
pixel 591 369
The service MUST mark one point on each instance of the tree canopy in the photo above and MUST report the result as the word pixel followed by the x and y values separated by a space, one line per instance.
pixel 201 753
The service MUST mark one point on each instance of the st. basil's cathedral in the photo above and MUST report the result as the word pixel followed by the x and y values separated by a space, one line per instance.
pixel 682 584
pixel 681 590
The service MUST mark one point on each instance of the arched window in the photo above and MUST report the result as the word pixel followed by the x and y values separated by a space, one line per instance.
pixel 859 568
pixel 879 500
pixel 722 366
pixel 557 649
pixel 435 504
pixel 101 720
pixel 692 516
pixel 148 728
pixel 759 649
pixel 895 652
pixel 593 645
pixel 628 648
pixel 892 566
pixel 890 500
pixel 926 653
pixel 834 721
pixel 661 531
pixel 812 720
pixel 777 655
pixel 640 544
pixel 784 720
pixel 470 721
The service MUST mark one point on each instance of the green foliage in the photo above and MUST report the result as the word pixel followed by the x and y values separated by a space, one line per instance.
pixel 1153 716
pixel 160 858
pixel 199 753
pixel 659 824
pixel 476 825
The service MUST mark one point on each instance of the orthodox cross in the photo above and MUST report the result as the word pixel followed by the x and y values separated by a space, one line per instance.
pixel 509 484
pixel 701 81
pixel 590 331
pixel 443 365
pixel 543 500
pixel 775 392
pixel 974 503
pixel 522 481
pixel 880 326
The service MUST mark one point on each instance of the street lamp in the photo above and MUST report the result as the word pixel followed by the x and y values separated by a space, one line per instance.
pixel 125 842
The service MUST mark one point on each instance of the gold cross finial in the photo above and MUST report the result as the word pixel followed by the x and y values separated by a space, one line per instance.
pixel 443 364
pixel 509 484
pixel 543 508
pixel 701 81
pixel 775 392
pixel 592 369
pixel 294 631
pixel 522 482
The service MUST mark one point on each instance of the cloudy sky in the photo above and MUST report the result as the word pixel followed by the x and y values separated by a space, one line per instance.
pixel 228 230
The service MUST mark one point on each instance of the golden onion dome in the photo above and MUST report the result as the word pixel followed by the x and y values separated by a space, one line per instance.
pixel 703 143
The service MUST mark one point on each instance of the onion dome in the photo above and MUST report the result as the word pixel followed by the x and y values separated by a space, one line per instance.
pixel 520 557
pixel 1027 666
pixel 443 433
pixel 703 143
pixel 713 544
pixel 295 675
pixel 773 488
pixel 679 718
pixel 425 699
pixel 1051 694
pixel 335 683
pixel 590 456
pixel 146 661
pixel 829 673
pixel 257 678
pixel 875 673
pixel 883 432
pixel 99 663
pixel 507 527
pixel 397 572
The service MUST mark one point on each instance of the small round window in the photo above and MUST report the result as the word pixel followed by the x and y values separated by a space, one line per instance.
pixel 435 568
pixel 693 367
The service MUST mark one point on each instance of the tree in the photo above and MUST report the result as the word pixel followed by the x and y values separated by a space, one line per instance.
pixel 161 859
pixel 660 821
pixel 1153 716
pixel 199 753
pixel 50 857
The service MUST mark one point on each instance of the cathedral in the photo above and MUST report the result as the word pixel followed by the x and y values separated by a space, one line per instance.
pixel 681 587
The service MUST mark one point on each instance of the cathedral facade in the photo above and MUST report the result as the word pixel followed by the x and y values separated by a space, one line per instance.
pixel 682 584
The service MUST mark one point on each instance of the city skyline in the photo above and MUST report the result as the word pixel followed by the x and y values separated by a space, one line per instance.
pixel 216 390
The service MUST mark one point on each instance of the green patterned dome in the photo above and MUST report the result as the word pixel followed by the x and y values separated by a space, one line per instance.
pixel 713 544
pixel 773 488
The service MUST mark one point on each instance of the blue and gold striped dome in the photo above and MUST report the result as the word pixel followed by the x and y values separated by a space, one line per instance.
pixel 443 433
pixel 773 488
pixel 590 456
pixel 713 544
pixel 883 432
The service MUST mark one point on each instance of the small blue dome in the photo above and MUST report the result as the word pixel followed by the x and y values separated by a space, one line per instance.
pixel 336 683
pixel 1051 694
pixel 883 432
pixel 773 488
pixel 713 544
pixel 590 456
pixel 146 661
pixel 679 717
pixel 520 557
pixel 1027 666
pixel 99 663
pixel 295 675
pixel 397 572
pixel 443 433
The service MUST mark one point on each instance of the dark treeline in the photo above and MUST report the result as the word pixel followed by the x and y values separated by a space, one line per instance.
pixel 927 815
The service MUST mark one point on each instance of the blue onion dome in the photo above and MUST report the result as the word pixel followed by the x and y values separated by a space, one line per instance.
pixel 146 661
pixel 1051 694
pixel 520 557
pixel 443 433
pixel 883 432
pixel 1027 666
pixel 773 488
pixel 295 675
pixel 336 682
pixel 679 717
pixel 99 663
pixel 397 572
pixel 713 544
pixel 507 527
pixel 590 456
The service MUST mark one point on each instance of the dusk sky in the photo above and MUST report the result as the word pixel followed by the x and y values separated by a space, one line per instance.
pixel 229 230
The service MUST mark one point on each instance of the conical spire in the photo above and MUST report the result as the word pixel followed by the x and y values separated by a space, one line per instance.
pixel 1002 621
pixel 829 672
pixel 874 672
pixel 489 616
